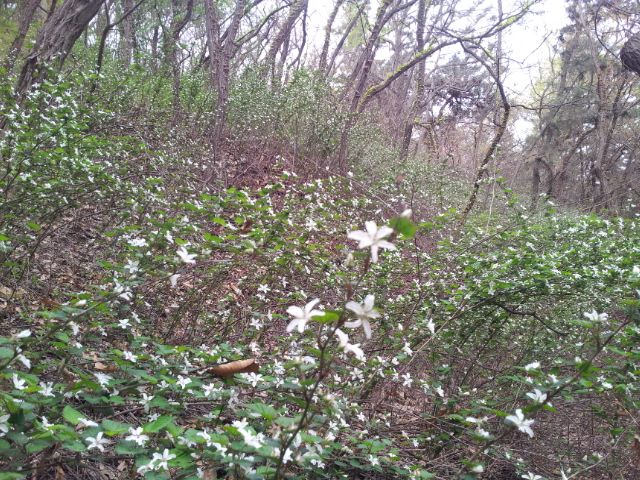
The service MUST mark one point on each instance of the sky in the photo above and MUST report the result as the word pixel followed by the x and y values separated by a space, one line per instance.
pixel 525 42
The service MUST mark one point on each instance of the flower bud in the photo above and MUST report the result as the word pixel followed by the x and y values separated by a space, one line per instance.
pixel 350 261
pixel 407 213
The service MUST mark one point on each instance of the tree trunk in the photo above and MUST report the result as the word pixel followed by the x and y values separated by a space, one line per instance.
pixel 57 37
pixel 327 35
pixel 296 9
pixel 176 29
pixel 128 39
pixel 420 87
pixel 27 9
pixel 220 66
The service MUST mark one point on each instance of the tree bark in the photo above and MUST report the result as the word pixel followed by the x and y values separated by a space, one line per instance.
pixel 176 28
pixel 420 86
pixel 128 39
pixel 57 37
pixel 296 9
pixel 27 9
pixel 327 35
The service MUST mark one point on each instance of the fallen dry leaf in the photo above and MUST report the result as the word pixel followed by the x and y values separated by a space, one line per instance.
pixel 239 366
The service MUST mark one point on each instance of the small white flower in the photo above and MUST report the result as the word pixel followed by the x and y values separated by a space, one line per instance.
pixel 138 242
pixel 537 396
pixel 407 349
pixel 74 327
pixel 47 389
pixel 343 339
pixel 183 381
pixel 431 326
pixel 24 360
pixel 519 421
pixel 162 459
pixel 373 238
pixel 85 422
pixel 185 256
pixel 440 391
pixel 478 469
pixel 532 366
pixel 97 442
pixel 374 460
pixel 124 323
pixel 364 313
pixel 168 236
pixel 22 334
pixel 129 356
pixel 18 382
pixel 596 317
pixel 174 279
pixel 531 476
pixel 3 425
pixel 137 436
pixel 301 317
pixel 483 433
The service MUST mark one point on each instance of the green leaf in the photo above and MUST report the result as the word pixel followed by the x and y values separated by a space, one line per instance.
pixel 266 411
pixel 35 226
pixel 6 352
pixel 111 427
pixel 403 225
pixel 71 415
pixel 158 424
pixel 10 475
pixel 328 317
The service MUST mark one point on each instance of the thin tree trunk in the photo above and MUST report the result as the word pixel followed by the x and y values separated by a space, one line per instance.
pixel 28 9
pixel 176 29
pixel 128 35
pixel 420 86
pixel 296 9
pixel 327 35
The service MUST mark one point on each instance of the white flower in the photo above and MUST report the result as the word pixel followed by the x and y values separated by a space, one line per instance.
pixel 174 279
pixel 3 425
pixel 301 317
pixel 138 242
pixel 478 469
pixel 431 326
pixel 407 380
pixel 183 381
pixel 47 389
pixel 168 236
pixel 364 313
pixel 103 379
pixel 124 323
pixel 483 433
pixel 374 460
pixel 373 238
pixel 253 378
pixel 22 334
pixel 407 349
pixel 129 356
pixel 137 436
pixel 596 317
pixel 440 391
pixel 162 459
pixel 142 469
pixel 537 396
pixel 532 366
pixel 343 338
pixel 185 256
pixel 25 361
pixel 18 382
pixel 146 400
pixel 519 421
pixel 74 327
pixel 85 422
pixel 97 442
pixel 531 476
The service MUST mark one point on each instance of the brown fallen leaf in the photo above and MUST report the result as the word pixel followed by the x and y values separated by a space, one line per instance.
pixel 230 369
pixel 104 368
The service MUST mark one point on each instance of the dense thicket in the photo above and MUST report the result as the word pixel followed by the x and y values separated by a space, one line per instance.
pixel 234 244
